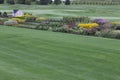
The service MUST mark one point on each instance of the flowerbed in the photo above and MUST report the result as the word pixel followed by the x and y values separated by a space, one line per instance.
pixel 73 25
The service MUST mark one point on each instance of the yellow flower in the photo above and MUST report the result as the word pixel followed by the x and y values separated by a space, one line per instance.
pixel 18 20
pixel 87 25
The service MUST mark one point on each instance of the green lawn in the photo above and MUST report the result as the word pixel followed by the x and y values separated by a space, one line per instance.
pixel 27 54
pixel 110 12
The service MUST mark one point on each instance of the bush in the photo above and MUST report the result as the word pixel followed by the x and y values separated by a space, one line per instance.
pixel 1 23
pixel 65 29
pixel 10 1
pixel 104 33
pixel 44 2
pixel 72 21
pixel 87 25
pixel 28 2
pixel 85 31
pixel 55 24
pixel 21 1
pixel 67 2
pixel 99 21
pixel 30 19
pixel 18 20
pixel 41 27
pixel 10 23
pixel 57 2
pixel 116 25
pixel 1 1
pixel 5 14
pixel 60 29
pixel 2 20
pixel 108 34
pixel 117 28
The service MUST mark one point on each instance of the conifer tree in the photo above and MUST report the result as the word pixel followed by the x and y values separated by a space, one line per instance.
pixel 57 2
pixel 11 2
pixel 21 1
pixel 67 2
pixel 1 1
pixel 44 2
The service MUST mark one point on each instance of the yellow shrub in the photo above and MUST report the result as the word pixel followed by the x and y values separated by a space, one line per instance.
pixel 24 16
pixel 18 20
pixel 87 25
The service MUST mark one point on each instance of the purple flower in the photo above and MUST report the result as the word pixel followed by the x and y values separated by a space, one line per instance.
pixel 100 21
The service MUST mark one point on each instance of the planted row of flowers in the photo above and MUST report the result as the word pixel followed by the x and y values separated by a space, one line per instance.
pixel 74 25
pixel 88 25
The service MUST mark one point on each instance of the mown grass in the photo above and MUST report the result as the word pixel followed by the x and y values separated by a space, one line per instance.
pixel 27 54
pixel 110 12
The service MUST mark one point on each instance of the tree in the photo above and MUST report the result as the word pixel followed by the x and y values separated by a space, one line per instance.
pixel 50 1
pixel 1 1
pixel 21 1
pixel 28 2
pixel 67 2
pixel 44 2
pixel 10 1
pixel 57 2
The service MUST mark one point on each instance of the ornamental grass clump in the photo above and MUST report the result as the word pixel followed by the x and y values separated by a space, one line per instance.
pixel 87 25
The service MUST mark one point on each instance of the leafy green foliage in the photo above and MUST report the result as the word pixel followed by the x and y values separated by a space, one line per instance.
pixel 1 1
pixel 11 2
pixel 109 34
pixel 21 1
pixel 44 2
pixel 67 2
pixel 30 19
pixel 28 2
pixel 10 23
pixel 57 2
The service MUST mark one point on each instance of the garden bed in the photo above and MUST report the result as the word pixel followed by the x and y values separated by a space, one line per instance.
pixel 73 25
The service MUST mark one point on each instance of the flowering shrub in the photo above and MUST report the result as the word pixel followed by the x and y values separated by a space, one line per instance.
pixel 87 25
pixel 18 20
pixel 26 15
pixel 100 21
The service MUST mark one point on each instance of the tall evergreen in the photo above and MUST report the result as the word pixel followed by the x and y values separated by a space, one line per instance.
pixel 57 2
pixel 50 1
pixel 21 1
pixel 67 2
pixel 11 1
pixel 1 1
pixel 44 2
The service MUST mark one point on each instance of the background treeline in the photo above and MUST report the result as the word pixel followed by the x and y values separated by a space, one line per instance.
pixel 29 2
pixel 66 2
